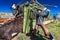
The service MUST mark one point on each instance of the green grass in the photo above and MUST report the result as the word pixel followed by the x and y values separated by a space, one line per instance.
pixel 54 28
pixel 22 37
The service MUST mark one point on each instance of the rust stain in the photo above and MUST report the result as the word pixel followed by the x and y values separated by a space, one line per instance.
pixel 2 20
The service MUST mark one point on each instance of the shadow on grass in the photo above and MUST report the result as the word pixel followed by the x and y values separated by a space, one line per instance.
pixel 36 37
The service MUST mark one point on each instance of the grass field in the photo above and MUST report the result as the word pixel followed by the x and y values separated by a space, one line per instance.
pixel 54 28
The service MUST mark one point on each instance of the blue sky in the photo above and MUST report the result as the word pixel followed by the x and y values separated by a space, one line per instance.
pixel 6 4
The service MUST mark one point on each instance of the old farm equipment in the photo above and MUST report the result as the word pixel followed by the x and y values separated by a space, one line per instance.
pixel 29 11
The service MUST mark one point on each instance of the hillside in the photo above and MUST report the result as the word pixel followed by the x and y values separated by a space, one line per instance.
pixel 5 15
